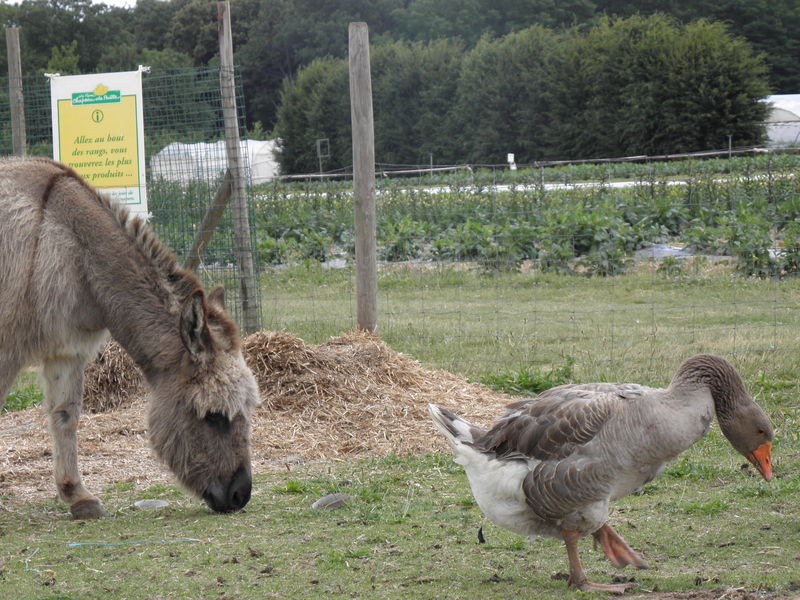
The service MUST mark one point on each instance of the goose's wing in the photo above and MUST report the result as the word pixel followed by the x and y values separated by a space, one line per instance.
pixel 557 422
pixel 553 432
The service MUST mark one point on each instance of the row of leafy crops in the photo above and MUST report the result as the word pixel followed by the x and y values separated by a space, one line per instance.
pixel 593 229
pixel 563 219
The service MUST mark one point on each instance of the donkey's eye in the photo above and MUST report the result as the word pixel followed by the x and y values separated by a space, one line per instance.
pixel 216 419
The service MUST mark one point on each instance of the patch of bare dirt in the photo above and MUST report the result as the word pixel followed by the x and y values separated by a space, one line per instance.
pixel 350 397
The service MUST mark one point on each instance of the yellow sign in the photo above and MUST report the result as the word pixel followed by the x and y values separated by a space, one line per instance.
pixel 98 131
pixel 100 141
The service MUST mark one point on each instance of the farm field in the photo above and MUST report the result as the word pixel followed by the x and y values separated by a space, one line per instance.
pixel 709 527
pixel 608 328
pixel 472 313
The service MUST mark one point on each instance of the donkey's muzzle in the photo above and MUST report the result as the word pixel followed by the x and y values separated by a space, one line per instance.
pixel 233 497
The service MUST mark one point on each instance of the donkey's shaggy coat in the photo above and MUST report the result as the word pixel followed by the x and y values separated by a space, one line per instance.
pixel 73 267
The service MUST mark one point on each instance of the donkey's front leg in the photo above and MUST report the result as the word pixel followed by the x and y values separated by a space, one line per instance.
pixel 63 378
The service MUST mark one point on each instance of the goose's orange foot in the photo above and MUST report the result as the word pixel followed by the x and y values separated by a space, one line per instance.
pixel 577 576
pixel 610 588
pixel 617 549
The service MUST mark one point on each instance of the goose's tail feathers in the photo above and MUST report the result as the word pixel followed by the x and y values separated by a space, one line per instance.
pixel 454 428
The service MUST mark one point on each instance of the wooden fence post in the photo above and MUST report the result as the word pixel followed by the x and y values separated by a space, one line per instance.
pixel 251 316
pixel 15 94
pixel 363 177
pixel 210 221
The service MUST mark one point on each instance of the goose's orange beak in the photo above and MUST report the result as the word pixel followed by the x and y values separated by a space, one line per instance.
pixel 760 457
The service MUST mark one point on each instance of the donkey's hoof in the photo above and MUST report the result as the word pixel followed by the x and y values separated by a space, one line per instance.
pixel 89 508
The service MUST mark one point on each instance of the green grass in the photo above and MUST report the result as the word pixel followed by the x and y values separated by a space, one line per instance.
pixel 636 327
pixel 528 382
pixel 705 526
pixel 25 393
pixel 410 531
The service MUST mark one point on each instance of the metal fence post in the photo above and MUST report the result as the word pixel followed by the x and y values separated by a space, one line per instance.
pixel 363 177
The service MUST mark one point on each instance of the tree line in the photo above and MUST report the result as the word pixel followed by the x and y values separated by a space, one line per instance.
pixel 275 39
pixel 624 87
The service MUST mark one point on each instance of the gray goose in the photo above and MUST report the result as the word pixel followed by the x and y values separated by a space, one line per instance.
pixel 551 464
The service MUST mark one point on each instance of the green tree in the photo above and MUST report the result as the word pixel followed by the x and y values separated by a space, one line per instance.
pixel 287 35
pixel 193 31
pixel 165 60
pixel 626 86
pixel 122 55
pixel 650 86
pixel 47 24
pixel 412 85
pixel 714 87
pixel 504 97
pixel 314 106
pixel 151 21
pixel 469 20
pixel 64 59
pixel 413 90
pixel 769 25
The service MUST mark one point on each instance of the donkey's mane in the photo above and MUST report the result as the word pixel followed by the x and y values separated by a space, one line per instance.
pixel 179 280
pixel 145 240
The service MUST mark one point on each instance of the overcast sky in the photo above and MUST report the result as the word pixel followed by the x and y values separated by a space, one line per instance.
pixel 128 3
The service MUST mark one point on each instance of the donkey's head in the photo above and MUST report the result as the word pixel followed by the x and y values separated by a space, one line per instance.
pixel 199 419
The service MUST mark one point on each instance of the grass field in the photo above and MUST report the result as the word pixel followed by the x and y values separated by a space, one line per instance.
pixel 708 527
pixel 410 532
pixel 636 327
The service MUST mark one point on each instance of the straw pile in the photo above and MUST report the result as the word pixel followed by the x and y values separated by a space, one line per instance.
pixel 350 397
pixel 112 381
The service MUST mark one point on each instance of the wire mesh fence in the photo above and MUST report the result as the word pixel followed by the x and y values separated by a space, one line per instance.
pixel 485 271
pixel 481 275
pixel 185 157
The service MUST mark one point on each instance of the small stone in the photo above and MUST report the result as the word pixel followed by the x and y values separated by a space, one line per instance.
pixel 150 504
pixel 332 501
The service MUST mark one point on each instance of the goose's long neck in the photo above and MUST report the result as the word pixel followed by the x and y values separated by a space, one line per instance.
pixel 718 376
pixel 741 420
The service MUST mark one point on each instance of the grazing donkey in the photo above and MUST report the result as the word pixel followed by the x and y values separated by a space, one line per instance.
pixel 73 267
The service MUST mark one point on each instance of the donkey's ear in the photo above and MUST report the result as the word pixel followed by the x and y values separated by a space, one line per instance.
pixel 217 296
pixel 194 332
